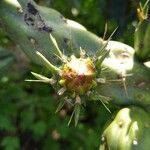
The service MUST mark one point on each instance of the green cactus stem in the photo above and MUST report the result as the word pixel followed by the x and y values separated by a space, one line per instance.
pixel 29 25
pixel 130 130
pixel 142 32
pixel 125 81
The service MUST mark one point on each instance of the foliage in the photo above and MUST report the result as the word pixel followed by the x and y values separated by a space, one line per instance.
pixel 28 120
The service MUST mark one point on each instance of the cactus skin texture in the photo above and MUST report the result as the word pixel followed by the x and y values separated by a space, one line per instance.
pixel 142 32
pixel 30 25
pixel 126 82
pixel 129 130
pixel 142 40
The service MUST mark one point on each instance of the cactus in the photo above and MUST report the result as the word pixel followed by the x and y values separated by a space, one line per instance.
pixel 130 129
pixel 61 45
pixel 142 32
pixel 29 25
pixel 76 76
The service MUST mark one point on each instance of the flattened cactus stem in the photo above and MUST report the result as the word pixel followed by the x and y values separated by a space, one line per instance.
pixel 133 129
pixel 142 11
pixel 142 32
pixel 47 64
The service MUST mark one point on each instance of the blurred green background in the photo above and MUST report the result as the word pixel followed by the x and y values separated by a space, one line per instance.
pixel 27 110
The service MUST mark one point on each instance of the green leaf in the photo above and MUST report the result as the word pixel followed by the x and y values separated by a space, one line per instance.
pixel 27 118
pixel 10 143
pixel 5 123
pixel 39 128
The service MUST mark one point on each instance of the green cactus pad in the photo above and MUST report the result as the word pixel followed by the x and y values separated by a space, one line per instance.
pixel 130 130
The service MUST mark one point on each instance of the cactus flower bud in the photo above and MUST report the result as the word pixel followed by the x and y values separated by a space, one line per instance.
pixel 78 74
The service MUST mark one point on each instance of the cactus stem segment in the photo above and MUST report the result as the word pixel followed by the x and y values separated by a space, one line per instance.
pixel 120 124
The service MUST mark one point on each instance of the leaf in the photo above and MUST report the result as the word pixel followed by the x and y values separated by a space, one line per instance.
pixel 10 143
pixel 39 128
pixel 5 123
pixel 27 118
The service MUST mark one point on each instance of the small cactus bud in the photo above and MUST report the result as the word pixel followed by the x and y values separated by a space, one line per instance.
pixel 79 75
pixel 75 77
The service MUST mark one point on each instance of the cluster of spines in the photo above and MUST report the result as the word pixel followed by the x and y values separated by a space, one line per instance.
pixel 91 94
